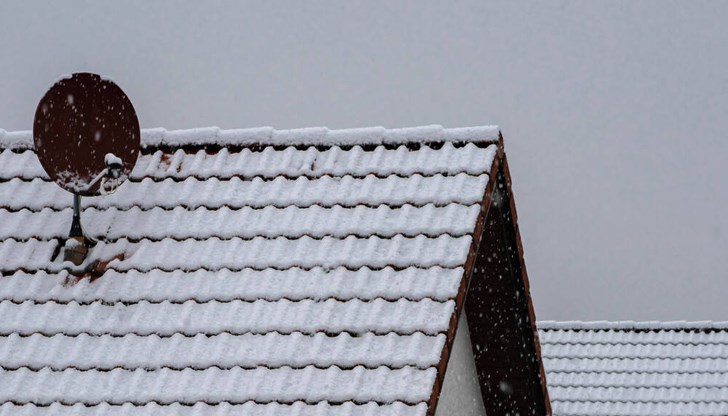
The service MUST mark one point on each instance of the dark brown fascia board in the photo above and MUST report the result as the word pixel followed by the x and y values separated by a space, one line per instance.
pixel 500 159
pixel 465 281
pixel 526 286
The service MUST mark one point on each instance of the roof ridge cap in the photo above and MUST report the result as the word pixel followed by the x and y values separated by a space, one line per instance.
pixel 268 136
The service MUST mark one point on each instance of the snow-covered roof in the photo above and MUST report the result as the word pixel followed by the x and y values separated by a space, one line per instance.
pixel 636 368
pixel 255 271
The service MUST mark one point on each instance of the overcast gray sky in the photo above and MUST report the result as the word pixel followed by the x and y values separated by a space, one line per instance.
pixel 613 112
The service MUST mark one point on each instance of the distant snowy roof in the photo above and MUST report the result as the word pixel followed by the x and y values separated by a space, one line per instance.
pixel 255 271
pixel 636 368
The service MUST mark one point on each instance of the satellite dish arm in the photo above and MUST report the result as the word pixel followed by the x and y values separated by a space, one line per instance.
pixel 113 170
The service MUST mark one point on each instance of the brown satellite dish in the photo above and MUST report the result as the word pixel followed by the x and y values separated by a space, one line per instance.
pixel 86 134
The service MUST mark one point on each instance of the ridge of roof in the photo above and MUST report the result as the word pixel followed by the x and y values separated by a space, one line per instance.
pixel 631 325
pixel 310 136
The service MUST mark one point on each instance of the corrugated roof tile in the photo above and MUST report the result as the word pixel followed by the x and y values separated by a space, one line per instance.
pixel 237 385
pixel 224 350
pixel 318 283
pixel 290 162
pixel 270 222
pixel 17 194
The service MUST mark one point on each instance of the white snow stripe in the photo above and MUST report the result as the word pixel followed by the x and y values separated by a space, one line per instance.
pixel 290 162
pixel 319 136
pixel 221 409
pixel 22 139
pixel 312 162
pixel 23 165
pixel 651 380
pixel 618 337
pixel 236 193
pixel 202 285
pixel 17 254
pixel 224 350
pixel 652 351
pixel 636 365
pixel 215 385
pixel 630 325
pixel 270 222
pixel 673 408
pixel 316 136
pixel 640 394
pixel 257 253
pixel 238 317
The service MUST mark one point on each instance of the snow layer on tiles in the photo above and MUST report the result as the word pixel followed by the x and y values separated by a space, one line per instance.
pixel 237 317
pixel 313 136
pixel 290 162
pixel 673 408
pixel 19 255
pixel 413 283
pixel 311 162
pixel 16 139
pixel 646 351
pixel 318 136
pixel 221 409
pixel 23 165
pixel 588 326
pixel 711 334
pixel 636 365
pixel 257 253
pixel 651 380
pixel 236 193
pixel 641 394
pixel 272 350
pixel 269 222
pixel 214 385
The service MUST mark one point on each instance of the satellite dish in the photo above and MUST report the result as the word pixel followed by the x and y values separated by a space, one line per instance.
pixel 86 134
